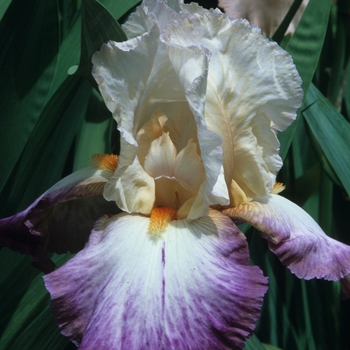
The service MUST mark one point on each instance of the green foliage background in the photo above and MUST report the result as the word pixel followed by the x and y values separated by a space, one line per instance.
pixel 52 122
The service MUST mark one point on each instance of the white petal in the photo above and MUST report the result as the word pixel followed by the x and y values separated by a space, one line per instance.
pixel 134 97
pixel 191 65
pixel 132 189
pixel 250 80
pixel 147 13
pixel 191 288
pixel 160 160
pixel 189 170
pixel 148 133
pixel 170 193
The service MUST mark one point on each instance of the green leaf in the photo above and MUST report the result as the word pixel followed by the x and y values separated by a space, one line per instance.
pixel 97 126
pixel 44 157
pixel 28 63
pixel 98 27
pixel 26 322
pixel 339 59
pixel 270 347
pixel 305 47
pixel 253 343
pixel 3 7
pixel 331 132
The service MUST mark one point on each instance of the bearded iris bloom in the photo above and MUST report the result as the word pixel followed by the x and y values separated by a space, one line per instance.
pixel 198 98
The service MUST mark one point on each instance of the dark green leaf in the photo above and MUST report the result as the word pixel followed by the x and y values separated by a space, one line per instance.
pixel 26 322
pixel 254 344
pixel 28 63
pixel 95 134
pixel 332 132
pixel 305 47
pixel 98 27
pixel 339 58
pixel 42 161
pixel 3 7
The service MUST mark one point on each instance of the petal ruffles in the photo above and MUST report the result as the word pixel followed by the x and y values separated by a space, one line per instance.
pixel 295 238
pixel 252 91
pixel 135 97
pixel 190 288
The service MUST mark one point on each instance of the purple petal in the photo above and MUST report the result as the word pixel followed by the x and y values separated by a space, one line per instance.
pixel 295 238
pixel 191 288
pixel 60 220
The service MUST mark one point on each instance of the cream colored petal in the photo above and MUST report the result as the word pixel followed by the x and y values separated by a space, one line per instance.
pixel 220 187
pixel 170 193
pixel 147 13
pixel 186 207
pixel 250 80
pixel 149 132
pixel 189 169
pixel 132 189
pixel 160 160
pixel 181 124
pixel 237 195
pixel 195 207
pixel 267 14
pixel 133 96
pixel 191 65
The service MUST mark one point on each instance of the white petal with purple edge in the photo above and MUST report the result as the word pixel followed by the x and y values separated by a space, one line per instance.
pixel 295 238
pixel 190 288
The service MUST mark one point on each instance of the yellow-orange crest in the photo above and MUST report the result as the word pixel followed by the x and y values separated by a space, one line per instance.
pixel 278 187
pixel 105 161
pixel 160 217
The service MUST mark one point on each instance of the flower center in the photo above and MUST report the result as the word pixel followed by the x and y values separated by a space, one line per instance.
pixel 160 217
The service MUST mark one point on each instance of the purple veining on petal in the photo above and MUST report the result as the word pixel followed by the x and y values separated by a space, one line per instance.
pixel 296 238
pixel 163 279
pixel 60 220
pixel 136 293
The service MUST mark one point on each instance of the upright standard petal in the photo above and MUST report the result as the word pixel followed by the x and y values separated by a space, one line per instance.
pixel 148 102
pixel 189 287
pixel 62 218
pixel 252 91
pixel 295 238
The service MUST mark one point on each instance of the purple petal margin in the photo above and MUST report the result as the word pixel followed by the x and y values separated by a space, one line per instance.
pixel 191 288
pixel 60 220
pixel 296 238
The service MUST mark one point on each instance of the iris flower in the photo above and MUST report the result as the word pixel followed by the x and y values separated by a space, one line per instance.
pixel 198 98
pixel 266 14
